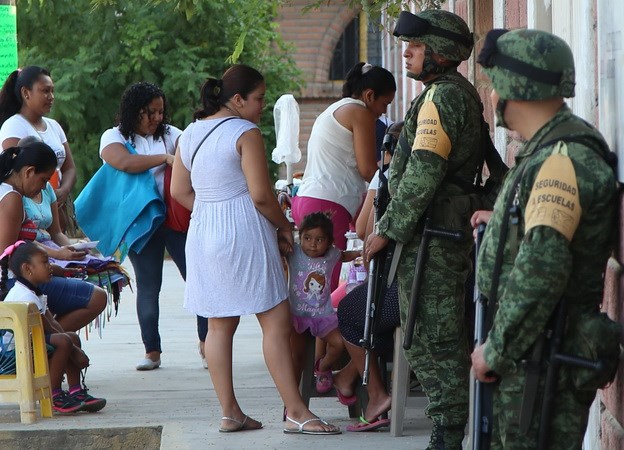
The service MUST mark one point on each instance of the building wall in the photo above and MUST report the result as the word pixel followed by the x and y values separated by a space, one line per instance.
pixel 314 35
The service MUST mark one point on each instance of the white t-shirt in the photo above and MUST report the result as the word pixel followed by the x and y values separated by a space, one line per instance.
pixel 20 293
pixel 331 171
pixel 146 146
pixel 18 127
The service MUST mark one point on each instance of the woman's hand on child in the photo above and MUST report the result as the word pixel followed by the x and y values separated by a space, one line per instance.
pixel 285 240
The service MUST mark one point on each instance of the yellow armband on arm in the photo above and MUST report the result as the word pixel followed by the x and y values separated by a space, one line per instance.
pixel 554 201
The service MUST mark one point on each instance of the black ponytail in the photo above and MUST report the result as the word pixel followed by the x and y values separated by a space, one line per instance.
pixel 4 276
pixel 238 79
pixel 36 154
pixel 211 92
pixel 363 76
pixel 11 92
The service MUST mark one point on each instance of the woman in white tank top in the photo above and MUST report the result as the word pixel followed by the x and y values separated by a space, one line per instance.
pixel 341 155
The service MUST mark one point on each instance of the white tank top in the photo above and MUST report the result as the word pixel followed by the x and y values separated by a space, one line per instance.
pixel 331 170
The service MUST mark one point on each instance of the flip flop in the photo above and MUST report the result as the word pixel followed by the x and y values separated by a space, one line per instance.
pixel 347 401
pixel 240 426
pixel 300 425
pixel 365 425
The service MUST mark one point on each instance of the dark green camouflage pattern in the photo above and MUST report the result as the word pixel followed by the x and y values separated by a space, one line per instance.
pixel 539 49
pixel 448 48
pixel 439 354
pixel 548 267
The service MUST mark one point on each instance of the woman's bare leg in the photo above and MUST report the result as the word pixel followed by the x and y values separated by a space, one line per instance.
pixel 297 348
pixel 345 378
pixel 276 327
pixel 218 350
pixel 378 399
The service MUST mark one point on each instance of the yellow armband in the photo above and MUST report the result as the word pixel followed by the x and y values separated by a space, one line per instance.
pixel 554 201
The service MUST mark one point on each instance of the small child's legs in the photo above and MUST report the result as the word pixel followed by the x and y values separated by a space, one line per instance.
pixel 58 360
pixel 335 348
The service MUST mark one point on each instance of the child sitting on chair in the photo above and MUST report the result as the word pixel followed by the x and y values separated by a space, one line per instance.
pixel 29 263
pixel 310 268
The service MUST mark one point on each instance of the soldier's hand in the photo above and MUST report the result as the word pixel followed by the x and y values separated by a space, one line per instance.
pixel 480 368
pixel 479 217
pixel 374 243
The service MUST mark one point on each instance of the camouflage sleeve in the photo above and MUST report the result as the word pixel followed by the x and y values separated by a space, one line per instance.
pixel 535 285
pixel 431 135
pixel 423 174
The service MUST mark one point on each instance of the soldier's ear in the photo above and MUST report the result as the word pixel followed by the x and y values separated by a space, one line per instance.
pixel 441 60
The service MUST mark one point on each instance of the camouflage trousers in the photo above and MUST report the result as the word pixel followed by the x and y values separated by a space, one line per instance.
pixel 439 352
pixel 569 419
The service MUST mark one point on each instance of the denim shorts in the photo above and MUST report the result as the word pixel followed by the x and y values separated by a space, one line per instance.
pixel 64 294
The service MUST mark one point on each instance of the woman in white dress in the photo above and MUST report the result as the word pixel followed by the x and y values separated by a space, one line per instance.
pixel 233 262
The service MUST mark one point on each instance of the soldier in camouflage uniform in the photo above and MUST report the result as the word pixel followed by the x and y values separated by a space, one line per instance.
pixel 554 221
pixel 431 174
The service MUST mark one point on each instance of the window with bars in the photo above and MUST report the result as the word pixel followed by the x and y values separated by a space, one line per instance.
pixel 347 50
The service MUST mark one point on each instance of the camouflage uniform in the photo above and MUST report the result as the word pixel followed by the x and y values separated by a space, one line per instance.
pixel 418 178
pixel 546 262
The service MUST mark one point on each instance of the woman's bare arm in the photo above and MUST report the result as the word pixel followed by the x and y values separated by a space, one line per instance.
pixel 120 158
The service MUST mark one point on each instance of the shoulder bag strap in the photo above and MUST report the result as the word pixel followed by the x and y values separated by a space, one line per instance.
pixel 206 137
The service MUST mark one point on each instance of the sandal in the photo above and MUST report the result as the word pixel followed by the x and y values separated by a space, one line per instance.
pixel 301 430
pixel 240 426
pixel 324 380
pixel 365 425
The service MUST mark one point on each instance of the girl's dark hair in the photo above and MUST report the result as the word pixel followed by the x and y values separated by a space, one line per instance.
pixel 11 95
pixel 238 79
pixel 376 78
pixel 23 253
pixel 134 101
pixel 36 154
pixel 320 220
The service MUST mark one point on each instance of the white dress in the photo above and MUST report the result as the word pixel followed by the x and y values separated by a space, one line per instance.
pixel 233 267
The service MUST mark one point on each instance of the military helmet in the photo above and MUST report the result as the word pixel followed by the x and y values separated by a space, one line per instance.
pixel 446 33
pixel 528 64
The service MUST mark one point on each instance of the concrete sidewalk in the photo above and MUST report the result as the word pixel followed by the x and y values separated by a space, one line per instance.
pixel 179 396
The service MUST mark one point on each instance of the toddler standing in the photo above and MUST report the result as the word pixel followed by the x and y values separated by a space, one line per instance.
pixel 310 269
pixel 31 268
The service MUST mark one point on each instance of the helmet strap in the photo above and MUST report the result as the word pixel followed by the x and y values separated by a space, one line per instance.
pixel 500 113
pixel 430 66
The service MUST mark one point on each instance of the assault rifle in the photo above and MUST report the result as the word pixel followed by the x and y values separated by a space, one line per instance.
pixel 481 408
pixel 555 360
pixel 378 282
pixel 423 250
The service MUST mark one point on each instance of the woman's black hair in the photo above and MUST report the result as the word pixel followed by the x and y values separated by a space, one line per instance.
pixel 135 101
pixel 36 154
pixel 11 92
pixel 23 253
pixel 359 78
pixel 320 220
pixel 238 79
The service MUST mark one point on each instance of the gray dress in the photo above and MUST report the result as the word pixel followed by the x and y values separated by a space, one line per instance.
pixel 232 257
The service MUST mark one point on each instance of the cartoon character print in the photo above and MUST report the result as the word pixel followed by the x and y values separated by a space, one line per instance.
pixel 314 285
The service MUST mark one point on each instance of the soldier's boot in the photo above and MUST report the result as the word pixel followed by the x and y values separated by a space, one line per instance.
pixel 446 437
